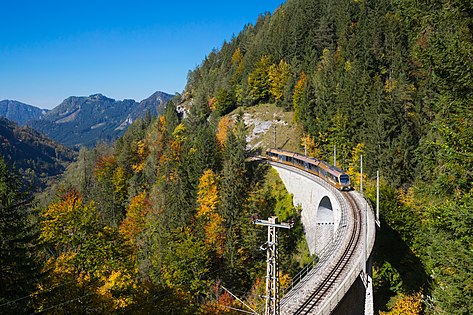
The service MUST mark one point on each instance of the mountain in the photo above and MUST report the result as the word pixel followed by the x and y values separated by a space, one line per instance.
pixel 35 155
pixel 89 120
pixel 20 112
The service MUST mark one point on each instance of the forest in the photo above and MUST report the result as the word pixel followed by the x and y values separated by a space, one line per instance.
pixel 159 221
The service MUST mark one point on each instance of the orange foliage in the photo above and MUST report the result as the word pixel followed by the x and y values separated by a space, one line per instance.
pixel 212 102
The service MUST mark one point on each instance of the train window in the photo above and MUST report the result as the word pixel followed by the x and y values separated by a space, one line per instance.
pixel 344 179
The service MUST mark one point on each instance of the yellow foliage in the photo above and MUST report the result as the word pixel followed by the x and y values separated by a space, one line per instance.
pixel 284 281
pixel 298 96
pixel 114 284
pixel 312 147
pixel 104 166
pixel 207 198
pixel 348 67
pixel 406 305
pixel 325 60
pixel 179 133
pixel 141 153
pixel 224 125
pixel 354 167
pixel 62 265
pixel 207 194
pixel 119 180
pixel 278 76
pixel 62 219
pixel 237 60
pixel 179 136
pixel 133 224
pixel 406 197
pixel 390 85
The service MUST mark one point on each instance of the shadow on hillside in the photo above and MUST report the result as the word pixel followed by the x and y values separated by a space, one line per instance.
pixel 389 247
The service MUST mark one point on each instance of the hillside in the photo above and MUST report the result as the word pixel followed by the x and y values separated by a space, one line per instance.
pixel 391 81
pixel 90 120
pixel 36 156
pixel 162 219
pixel 19 112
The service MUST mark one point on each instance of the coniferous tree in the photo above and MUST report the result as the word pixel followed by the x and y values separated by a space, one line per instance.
pixel 19 270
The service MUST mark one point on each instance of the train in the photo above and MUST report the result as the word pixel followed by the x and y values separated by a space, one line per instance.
pixel 331 174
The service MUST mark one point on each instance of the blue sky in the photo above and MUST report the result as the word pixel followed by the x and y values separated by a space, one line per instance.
pixel 50 50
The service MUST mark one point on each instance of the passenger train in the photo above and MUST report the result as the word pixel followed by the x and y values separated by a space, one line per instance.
pixel 331 174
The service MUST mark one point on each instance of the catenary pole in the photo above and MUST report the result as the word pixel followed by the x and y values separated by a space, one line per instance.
pixel 361 174
pixel 272 271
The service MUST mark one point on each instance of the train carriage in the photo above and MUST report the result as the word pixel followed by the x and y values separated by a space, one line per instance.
pixel 333 175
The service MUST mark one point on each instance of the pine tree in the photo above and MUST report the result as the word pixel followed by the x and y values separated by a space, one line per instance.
pixel 233 188
pixel 19 270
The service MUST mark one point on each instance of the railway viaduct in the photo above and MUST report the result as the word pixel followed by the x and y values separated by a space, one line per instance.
pixel 340 230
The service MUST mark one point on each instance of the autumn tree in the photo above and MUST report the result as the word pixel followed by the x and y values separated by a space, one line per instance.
pixel 211 220
pixel 258 81
pixel 89 261
pixel 279 75
pixel 298 96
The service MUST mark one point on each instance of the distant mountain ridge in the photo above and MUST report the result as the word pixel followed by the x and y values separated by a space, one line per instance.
pixel 35 155
pixel 87 120
pixel 20 112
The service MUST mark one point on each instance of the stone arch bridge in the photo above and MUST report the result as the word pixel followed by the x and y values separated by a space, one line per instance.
pixel 340 229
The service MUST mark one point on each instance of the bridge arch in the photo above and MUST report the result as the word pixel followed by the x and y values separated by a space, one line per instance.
pixel 325 220
pixel 325 211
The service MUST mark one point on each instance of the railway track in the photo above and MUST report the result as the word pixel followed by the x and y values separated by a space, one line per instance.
pixel 333 276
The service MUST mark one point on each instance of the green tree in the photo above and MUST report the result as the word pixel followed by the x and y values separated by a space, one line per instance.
pixel 18 244
pixel 233 189
pixel 224 102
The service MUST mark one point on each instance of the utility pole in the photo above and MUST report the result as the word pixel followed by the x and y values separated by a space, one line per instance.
pixel 275 136
pixel 365 249
pixel 361 174
pixel 334 155
pixel 272 271
pixel 377 199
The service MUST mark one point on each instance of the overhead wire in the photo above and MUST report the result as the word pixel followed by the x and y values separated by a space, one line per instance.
pixel 34 294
